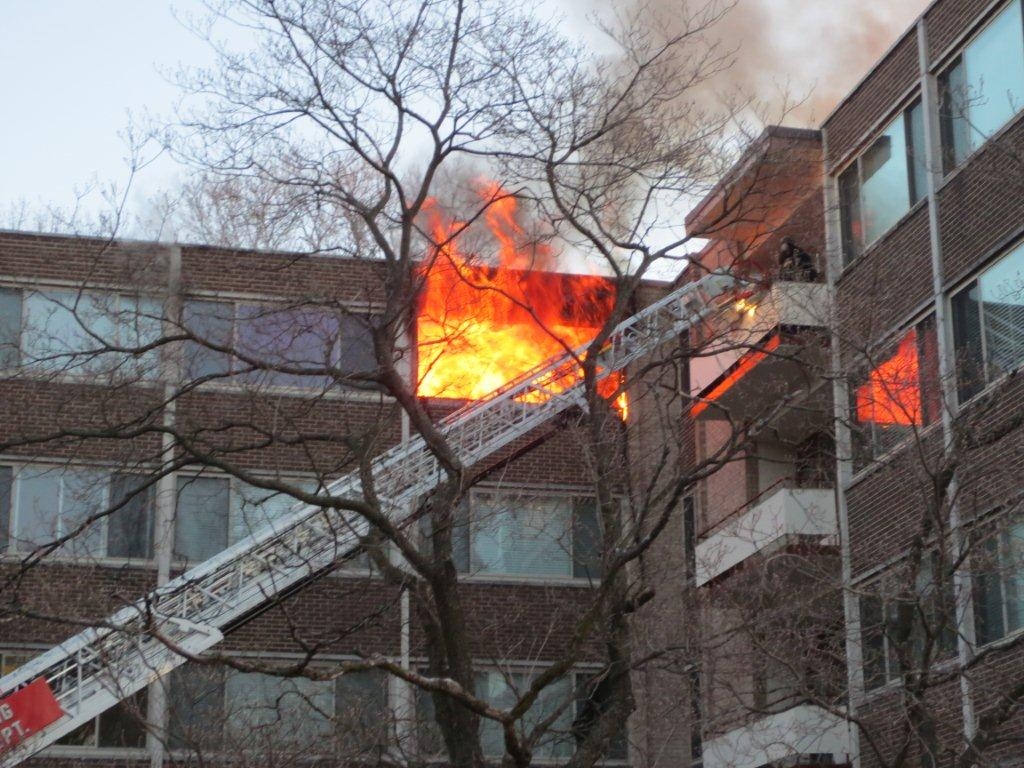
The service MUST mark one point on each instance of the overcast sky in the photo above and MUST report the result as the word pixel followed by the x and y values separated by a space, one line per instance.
pixel 73 70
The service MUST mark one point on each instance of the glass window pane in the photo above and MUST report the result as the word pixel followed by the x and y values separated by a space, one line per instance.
pixel 356 354
pixel 201 522
pixel 301 339
pixel 1002 306
pixel 586 540
pixel 196 716
pixel 872 632
pixel 956 138
pixel 253 508
pixel 122 724
pixel 361 708
pixel 84 495
pixel 988 594
pixel 503 689
pixel 6 481
pixel 889 403
pixel 10 327
pixel 589 706
pixel 140 325
pixel 917 151
pixel 885 193
pixel 1013 581
pixel 211 323
pixel 520 535
pixel 130 528
pixel 967 341
pixel 849 203
pixel 285 711
pixel 69 331
pixel 37 514
pixel 994 64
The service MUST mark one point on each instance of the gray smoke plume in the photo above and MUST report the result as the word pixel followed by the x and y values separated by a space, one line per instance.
pixel 793 56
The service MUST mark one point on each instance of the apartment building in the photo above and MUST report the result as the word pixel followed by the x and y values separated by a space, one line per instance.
pixel 922 167
pixel 767 675
pixel 915 396
pixel 160 402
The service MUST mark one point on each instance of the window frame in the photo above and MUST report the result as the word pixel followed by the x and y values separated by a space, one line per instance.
pixel 874 449
pixel 966 394
pixel 8 545
pixel 235 377
pixel 876 590
pixel 853 247
pixel 578 678
pixel 995 545
pixel 142 373
pixel 949 124
pixel 570 495
pixel 220 742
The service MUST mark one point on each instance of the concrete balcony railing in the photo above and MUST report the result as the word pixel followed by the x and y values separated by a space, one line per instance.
pixel 784 515
pixel 760 353
pixel 803 730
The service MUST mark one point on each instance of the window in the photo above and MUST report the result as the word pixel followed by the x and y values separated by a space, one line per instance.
pixel 502 688
pixel 73 331
pixel 895 625
pixel 529 535
pixel 984 87
pixel 988 324
pixel 254 508
pixel 305 341
pixel 10 327
pixel 120 726
pixel 572 702
pixel 52 503
pixel 38 505
pixel 130 527
pixel 589 704
pixel 884 182
pixel 214 709
pixel 898 394
pixel 998 563
pixel 201 519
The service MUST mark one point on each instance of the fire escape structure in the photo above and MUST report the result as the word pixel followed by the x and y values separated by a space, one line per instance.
pixel 93 670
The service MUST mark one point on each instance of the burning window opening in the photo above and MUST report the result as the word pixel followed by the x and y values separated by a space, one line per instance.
pixel 892 394
pixel 481 325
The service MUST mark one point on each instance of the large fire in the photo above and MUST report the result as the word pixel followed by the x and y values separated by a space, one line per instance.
pixel 484 320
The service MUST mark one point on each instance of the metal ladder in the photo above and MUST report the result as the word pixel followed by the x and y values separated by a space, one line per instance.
pixel 93 670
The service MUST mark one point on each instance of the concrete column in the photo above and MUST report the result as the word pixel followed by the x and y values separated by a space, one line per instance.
pixel 166 494
pixel 962 583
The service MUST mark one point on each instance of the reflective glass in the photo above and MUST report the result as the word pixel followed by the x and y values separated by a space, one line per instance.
pixel 994 69
pixel 885 195
pixel 201 520
pixel 1002 304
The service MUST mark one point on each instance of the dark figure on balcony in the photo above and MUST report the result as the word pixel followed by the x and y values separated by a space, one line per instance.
pixel 795 264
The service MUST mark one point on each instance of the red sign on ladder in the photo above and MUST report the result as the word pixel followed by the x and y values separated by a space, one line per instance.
pixel 25 712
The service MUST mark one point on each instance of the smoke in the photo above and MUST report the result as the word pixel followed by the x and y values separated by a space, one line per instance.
pixel 795 58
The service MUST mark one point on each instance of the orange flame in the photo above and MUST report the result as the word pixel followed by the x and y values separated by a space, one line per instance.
pixel 480 325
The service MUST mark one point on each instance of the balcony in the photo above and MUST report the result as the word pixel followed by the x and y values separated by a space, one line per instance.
pixel 803 733
pixel 770 346
pixel 782 515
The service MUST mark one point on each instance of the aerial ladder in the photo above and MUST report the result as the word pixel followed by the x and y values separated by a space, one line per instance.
pixel 95 669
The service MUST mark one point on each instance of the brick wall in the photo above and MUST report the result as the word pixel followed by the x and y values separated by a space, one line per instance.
pixel 947 20
pixel 982 204
pixel 874 99
pixel 881 288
